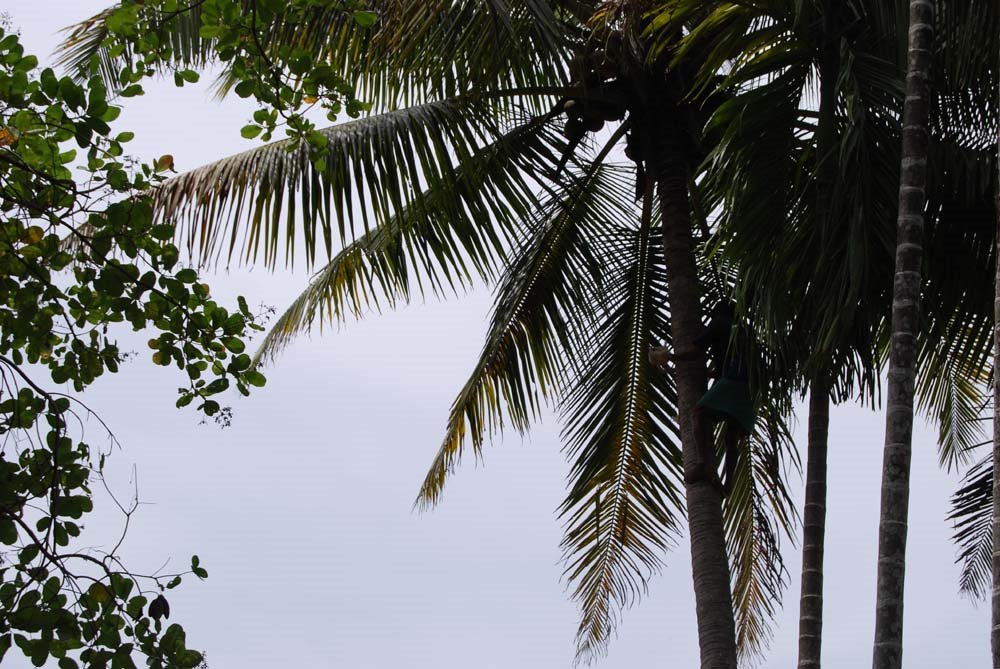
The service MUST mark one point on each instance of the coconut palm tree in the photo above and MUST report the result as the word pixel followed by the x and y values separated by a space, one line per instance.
pixel 463 176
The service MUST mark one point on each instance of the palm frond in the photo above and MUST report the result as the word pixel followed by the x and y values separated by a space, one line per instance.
pixel 886 21
pixel 435 49
pixel 955 396
pixel 86 43
pixel 758 515
pixel 526 347
pixel 439 44
pixel 418 51
pixel 972 515
pixel 620 427
pixel 438 246
pixel 966 82
pixel 768 135
pixel 956 350
pixel 377 166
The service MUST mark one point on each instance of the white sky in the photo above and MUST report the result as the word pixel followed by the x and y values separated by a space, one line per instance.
pixel 301 511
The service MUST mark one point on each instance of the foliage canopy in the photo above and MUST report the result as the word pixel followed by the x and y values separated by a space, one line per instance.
pixel 81 255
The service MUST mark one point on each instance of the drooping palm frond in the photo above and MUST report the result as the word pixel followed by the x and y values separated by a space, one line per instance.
pixel 417 51
pixel 543 291
pixel 971 513
pixel 620 428
pixel 956 402
pixel 756 522
pixel 955 354
pixel 953 382
pixel 375 167
pixel 437 247
pixel 759 515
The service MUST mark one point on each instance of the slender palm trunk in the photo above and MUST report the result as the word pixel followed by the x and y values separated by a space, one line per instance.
pixel 814 529
pixel 995 630
pixel 814 521
pixel 888 647
pixel 709 560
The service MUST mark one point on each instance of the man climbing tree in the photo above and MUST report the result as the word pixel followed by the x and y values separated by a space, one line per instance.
pixel 728 402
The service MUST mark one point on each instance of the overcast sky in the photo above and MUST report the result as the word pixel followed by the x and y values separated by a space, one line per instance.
pixel 301 511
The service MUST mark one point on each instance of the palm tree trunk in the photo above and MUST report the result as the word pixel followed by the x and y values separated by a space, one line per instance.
pixel 709 560
pixel 888 648
pixel 995 630
pixel 814 529
pixel 814 521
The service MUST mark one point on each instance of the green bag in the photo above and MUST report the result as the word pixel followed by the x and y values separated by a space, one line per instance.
pixel 732 400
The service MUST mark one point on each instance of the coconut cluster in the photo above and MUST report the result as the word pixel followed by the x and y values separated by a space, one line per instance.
pixel 603 94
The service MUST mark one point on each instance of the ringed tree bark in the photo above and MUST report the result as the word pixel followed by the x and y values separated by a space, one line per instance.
pixel 814 516
pixel 814 529
pixel 888 647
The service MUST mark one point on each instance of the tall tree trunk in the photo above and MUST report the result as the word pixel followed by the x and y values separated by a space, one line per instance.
pixel 709 560
pixel 814 529
pixel 888 648
pixel 995 629
pixel 814 521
